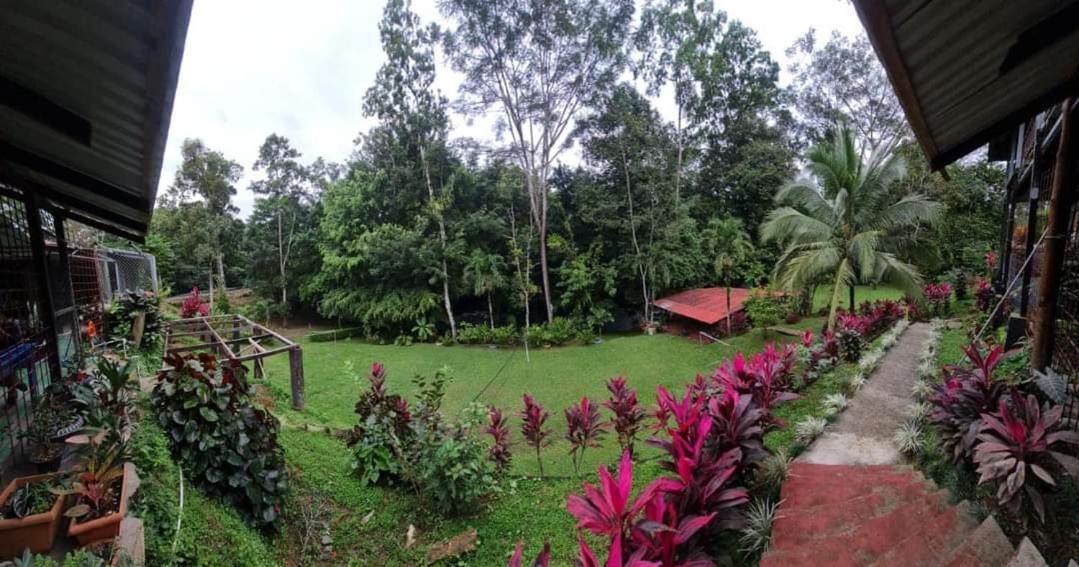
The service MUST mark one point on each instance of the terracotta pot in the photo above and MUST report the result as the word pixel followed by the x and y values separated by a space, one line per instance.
pixel 36 532
pixel 107 527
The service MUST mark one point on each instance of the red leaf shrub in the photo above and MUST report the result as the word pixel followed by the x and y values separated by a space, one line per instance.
pixel 499 431
pixel 628 413
pixel 533 417
pixel 193 305
pixel 584 428
pixel 1020 447
pixel 765 377
pixel 983 295
pixel 958 403
pixel 938 296
pixel 542 560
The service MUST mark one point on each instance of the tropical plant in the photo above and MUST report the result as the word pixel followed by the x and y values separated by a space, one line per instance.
pixel 499 430
pixel 757 533
pixel 908 438
pixel 846 226
pixel 773 470
pixel 584 428
pixel 983 295
pixel 423 330
pixel 764 309
pixel 226 442
pixel 809 428
pixel 455 472
pixel 533 418
pixel 960 400
pixel 99 469
pixel 607 511
pixel 486 273
pixel 126 307
pixel 542 560
pixel 193 305
pixel 1020 447
pixel 30 499
pixel 731 249
pixel 851 344
pixel 939 296
pixel 736 422
pixel 628 413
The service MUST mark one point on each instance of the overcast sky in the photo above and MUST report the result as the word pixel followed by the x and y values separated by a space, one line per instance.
pixel 300 69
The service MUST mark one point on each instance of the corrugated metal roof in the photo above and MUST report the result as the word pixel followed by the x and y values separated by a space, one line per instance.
pixel 86 92
pixel 968 70
pixel 707 305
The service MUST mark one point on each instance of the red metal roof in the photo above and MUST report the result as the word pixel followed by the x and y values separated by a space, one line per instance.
pixel 707 304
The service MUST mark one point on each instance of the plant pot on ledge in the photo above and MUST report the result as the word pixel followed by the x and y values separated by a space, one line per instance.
pixel 37 531
pixel 107 527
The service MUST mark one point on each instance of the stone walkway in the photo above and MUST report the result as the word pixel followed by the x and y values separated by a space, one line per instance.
pixel 848 502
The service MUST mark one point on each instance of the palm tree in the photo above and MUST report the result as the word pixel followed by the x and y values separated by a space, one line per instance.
pixel 485 273
pixel 846 227
pixel 731 249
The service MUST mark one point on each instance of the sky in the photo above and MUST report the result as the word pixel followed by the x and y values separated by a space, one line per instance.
pixel 300 69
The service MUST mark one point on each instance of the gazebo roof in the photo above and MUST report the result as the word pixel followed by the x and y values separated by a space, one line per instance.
pixel 968 71
pixel 706 305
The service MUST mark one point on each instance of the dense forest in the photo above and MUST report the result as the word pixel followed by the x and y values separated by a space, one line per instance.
pixel 588 205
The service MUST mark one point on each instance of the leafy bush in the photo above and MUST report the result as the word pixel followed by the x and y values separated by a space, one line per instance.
pixel 959 402
pixel 470 334
pixel 263 311
pixel 983 295
pixel 222 305
pixel 765 309
pixel 193 305
pixel 227 444
pixel 124 309
pixel 851 344
pixel 507 335
pixel 939 297
pixel 445 464
pixel 1020 447
pixel 456 472
pixel 765 377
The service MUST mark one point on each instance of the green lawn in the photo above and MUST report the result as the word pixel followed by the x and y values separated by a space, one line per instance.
pixel 556 377
pixel 822 297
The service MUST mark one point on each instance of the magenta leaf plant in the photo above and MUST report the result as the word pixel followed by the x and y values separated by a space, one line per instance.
pixel 542 560
pixel 1020 447
pixel 499 430
pixel 533 417
pixel 584 428
pixel 958 403
pixel 628 413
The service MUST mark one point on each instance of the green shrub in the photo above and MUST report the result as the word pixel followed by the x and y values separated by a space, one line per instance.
pixel 445 464
pixel 764 309
pixel 125 307
pixel 506 335
pixel 470 334
pixel 222 306
pixel 263 310
pixel 227 444
pixel 851 345
pixel 457 473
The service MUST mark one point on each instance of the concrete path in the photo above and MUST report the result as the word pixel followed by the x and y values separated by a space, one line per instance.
pixel 863 433
pixel 847 501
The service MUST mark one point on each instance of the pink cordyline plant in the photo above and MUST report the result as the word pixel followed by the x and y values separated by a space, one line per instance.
pixel 542 560
pixel 584 428
pixel 628 413
pixel 647 532
pixel 499 430
pixel 807 338
pixel 533 417
pixel 193 305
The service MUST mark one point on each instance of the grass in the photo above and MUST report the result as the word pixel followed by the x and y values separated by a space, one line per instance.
pixel 556 377
pixel 822 296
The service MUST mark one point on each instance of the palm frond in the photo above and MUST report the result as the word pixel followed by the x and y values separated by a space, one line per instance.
pixel 806 198
pixel 864 249
pixel 910 211
pixel 844 276
pixel 788 225
pixel 900 274
pixel 803 266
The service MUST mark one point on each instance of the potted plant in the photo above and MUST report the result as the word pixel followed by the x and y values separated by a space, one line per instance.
pixel 45 450
pixel 30 514
pixel 103 483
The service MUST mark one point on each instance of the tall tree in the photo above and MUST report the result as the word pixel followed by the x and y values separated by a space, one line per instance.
pixel 285 203
pixel 206 180
pixel 674 42
pixel 846 226
pixel 842 81
pixel 539 62
pixel 628 144
pixel 405 100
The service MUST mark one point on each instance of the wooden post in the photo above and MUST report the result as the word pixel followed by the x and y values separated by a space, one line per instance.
pixel 295 364
pixel 1053 258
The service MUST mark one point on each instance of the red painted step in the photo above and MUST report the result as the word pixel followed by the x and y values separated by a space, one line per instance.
pixel 865 515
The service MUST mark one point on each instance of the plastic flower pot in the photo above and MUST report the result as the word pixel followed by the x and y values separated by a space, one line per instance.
pixel 107 527
pixel 36 532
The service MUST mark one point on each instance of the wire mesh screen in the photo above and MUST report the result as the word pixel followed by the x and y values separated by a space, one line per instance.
pixel 1066 326
pixel 130 270
pixel 24 338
